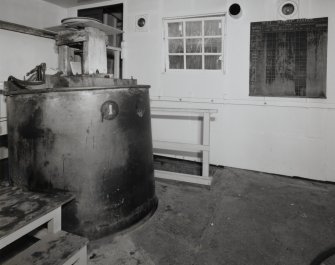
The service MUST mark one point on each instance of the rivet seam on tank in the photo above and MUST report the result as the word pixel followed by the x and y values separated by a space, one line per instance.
pixel 109 110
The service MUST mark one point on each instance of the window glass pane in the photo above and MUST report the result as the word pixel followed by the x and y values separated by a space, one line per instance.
pixel 193 45
pixel 175 29
pixel 194 28
pixel 176 46
pixel 176 61
pixel 213 45
pixel 213 28
pixel 193 62
pixel 212 62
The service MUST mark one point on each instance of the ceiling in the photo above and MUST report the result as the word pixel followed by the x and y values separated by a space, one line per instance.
pixel 72 3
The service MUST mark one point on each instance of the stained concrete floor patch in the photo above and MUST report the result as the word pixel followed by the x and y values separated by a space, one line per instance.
pixel 119 250
pixel 245 218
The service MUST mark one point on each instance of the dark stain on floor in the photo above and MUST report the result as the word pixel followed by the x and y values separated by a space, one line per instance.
pixel 245 218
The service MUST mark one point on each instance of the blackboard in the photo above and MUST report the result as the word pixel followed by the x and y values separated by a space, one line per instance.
pixel 288 58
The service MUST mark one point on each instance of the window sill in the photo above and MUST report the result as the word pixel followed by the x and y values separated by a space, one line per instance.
pixel 271 102
pixel 193 71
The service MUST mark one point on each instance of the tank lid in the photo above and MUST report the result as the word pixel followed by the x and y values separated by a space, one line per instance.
pixel 71 83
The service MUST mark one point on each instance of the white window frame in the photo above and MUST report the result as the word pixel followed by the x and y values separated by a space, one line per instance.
pixel 183 20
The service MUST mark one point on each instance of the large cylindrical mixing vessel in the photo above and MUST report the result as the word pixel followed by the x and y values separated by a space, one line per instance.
pixel 94 142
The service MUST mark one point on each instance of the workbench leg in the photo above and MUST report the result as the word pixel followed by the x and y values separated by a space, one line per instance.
pixel 116 64
pixel 205 163
pixel 55 224
pixel 82 257
pixel 205 141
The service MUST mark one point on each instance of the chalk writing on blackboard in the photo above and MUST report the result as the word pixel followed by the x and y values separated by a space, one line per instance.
pixel 288 58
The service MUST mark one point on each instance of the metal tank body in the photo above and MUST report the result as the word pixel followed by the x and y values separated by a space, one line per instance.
pixel 94 142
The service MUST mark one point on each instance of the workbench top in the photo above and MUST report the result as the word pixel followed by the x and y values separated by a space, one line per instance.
pixel 19 208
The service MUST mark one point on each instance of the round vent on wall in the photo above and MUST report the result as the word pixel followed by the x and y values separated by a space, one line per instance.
pixel 141 23
pixel 288 9
pixel 235 10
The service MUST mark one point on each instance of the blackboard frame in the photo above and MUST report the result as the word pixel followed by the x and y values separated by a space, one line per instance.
pixel 288 58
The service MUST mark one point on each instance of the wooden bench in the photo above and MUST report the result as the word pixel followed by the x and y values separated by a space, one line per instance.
pixel 203 147
pixel 22 212
pixel 60 248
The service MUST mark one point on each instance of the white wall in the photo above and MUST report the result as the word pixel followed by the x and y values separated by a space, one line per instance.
pixel 21 52
pixel 285 136
pixel 294 137
pixel 147 47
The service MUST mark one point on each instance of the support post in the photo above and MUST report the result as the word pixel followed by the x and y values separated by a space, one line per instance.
pixel 116 64
pixel 95 52
pixel 65 56
pixel 82 260
pixel 55 224
pixel 205 141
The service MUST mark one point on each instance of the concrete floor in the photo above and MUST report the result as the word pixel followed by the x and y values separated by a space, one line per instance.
pixel 245 218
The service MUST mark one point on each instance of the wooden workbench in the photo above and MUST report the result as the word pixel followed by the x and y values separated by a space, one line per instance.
pixel 23 212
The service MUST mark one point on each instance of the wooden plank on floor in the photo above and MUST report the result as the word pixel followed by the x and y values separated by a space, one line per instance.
pixel 183 177
pixel 180 146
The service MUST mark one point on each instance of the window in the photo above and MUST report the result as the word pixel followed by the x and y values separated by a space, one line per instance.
pixel 194 43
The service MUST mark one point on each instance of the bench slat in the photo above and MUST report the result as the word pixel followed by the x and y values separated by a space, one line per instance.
pixel 53 249
pixel 183 177
pixel 19 208
pixel 180 146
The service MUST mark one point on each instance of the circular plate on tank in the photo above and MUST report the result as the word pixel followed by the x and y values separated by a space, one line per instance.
pixel 78 20
pixel 84 22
